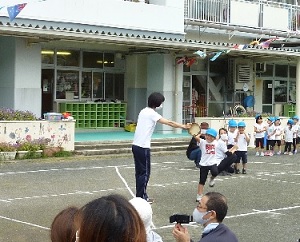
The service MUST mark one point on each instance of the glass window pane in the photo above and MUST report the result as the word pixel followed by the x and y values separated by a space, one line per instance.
pixel 109 60
pixel 293 71
pixel 119 86
pixel 93 60
pixel 67 58
pixel 86 85
pixel 269 71
pixel 67 84
pixel 281 70
pixel 47 56
pixel 267 92
pixel 109 86
pixel 98 85
pixel 292 92
pixel 280 91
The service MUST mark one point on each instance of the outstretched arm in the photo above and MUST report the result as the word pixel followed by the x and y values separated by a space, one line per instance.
pixel 174 124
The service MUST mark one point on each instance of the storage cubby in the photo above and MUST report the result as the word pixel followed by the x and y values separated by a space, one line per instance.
pixel 96 115
pixel 289 110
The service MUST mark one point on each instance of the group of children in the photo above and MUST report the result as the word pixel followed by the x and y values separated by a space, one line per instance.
pixel 273 136
pixel 225 150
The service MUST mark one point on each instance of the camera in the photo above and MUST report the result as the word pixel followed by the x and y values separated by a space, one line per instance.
pixel 181 218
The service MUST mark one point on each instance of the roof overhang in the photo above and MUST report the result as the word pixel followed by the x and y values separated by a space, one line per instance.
pixel 38 33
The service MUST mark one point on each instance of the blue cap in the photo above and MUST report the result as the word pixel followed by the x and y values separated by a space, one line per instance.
pixel 276 118
pixel 257 116
pixel 232 123
pixel 211 132
pixel 290 121
pixel 242 124
pixel 272 119
pixel 296 117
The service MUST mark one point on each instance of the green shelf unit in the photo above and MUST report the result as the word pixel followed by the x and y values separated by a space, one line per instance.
pixel 96 115
pixel 289 110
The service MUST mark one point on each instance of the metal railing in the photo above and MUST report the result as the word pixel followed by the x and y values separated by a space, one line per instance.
pixel 218 11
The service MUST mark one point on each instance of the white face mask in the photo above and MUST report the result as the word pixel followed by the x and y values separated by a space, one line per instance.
pixel 224 137
pixel 159 108
pixel 198 216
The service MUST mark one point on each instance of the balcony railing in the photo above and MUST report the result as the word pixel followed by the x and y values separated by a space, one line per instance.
pixel 256 13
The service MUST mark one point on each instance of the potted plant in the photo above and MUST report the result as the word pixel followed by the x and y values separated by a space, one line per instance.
pixel 7 151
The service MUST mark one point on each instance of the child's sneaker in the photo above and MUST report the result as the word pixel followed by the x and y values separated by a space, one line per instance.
pixel 271 154
pixel 237 171
pixel 267 153
pixel 262 154
pixel 257 153
pixel 290 153
pixel 286 153
pixel 199 197
pixel 279 153
pixel 211 182
pixel 295 152
pixel 244 171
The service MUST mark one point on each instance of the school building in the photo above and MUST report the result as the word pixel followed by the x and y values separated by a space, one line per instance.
pixel 100 59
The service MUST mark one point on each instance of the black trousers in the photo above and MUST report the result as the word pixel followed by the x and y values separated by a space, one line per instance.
pixel 214 169
pixel 142 164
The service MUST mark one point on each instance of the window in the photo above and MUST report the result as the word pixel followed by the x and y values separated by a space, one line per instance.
pixel 281 70
pixel 92 60
pixel 47 56
pixel 67 84
pixel 280 91
pixel 67 58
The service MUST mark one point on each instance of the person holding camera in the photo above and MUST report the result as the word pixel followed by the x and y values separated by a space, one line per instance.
pixel 210 212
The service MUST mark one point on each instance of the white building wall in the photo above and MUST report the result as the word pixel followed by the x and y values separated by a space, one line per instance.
pixel 162 78
pixel 7 73
pixel 167 18
pixel 28 77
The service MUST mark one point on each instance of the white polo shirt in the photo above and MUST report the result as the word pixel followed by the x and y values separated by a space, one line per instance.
pixel 146 122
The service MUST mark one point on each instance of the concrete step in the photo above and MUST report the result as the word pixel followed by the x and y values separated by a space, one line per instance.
pixel 123 147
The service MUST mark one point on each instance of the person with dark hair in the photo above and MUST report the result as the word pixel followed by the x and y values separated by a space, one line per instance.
pixel 210 212
pixel 259 130
pixel 63 226
pixel 147 119
pixel 110 218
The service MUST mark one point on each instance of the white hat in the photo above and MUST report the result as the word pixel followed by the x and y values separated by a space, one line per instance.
pixel 145 211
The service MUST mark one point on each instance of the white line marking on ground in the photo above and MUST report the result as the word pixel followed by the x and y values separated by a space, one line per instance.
pixel 124 181
pixel 22 222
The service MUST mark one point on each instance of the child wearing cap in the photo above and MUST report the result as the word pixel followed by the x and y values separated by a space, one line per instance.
pixel 288 137
pixel 242 140
pixel 278 135
pixel 210 147
pixel 270 137
pixel 259 131
pixel 232 132
pixel 295 129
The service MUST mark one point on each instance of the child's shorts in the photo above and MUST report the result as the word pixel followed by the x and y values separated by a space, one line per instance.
pixel 241 155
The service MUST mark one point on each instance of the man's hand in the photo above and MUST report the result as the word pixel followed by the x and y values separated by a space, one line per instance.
pixel 181 233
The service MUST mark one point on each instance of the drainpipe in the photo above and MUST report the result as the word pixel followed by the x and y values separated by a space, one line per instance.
pixel 176 98
pixel 298 87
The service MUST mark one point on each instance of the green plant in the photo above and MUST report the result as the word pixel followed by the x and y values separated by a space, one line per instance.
pixel 27 146
pixel 10 114
pixel 7 147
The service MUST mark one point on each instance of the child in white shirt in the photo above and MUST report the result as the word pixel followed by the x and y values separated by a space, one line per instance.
pixel 242 140
pixel 288 137
pixel 278 135
pixel 259 130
